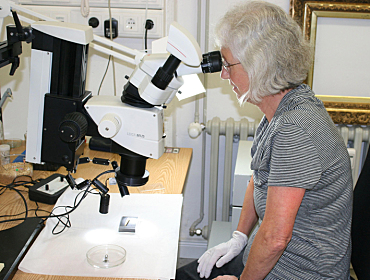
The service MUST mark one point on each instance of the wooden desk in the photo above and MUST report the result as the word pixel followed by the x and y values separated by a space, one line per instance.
pixel 169 171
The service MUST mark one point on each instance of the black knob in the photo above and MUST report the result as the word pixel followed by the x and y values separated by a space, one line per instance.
pixel 73 127
pixel 93 22
pixel 66 159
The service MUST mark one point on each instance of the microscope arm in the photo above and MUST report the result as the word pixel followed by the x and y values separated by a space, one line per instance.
pixel 12 47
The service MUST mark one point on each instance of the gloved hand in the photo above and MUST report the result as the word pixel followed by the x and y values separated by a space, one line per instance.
pixel 221 254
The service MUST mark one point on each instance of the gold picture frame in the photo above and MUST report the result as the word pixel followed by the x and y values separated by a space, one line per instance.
pixel 346 110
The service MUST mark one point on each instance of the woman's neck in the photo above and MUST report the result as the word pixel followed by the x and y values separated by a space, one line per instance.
pixel 270 104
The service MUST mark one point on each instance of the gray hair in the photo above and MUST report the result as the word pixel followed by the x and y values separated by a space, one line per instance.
pixel 269 44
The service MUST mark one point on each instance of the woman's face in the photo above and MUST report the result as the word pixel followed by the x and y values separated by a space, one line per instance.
pixel 236 75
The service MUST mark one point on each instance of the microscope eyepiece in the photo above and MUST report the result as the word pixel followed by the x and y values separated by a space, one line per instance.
pixel 211 62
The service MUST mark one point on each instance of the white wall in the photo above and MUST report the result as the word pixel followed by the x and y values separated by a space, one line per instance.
pixel 220 102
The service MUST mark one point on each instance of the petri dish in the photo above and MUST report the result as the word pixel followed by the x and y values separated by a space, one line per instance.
pixel 106 256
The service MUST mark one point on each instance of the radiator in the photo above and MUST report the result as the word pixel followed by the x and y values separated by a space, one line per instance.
pixel 355 137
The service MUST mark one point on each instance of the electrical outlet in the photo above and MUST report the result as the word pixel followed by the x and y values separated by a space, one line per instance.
pixel 130 21
pixel 155 32
pixel 131 24
pixel 76 17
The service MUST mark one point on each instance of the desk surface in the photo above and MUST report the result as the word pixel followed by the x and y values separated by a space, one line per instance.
pixel 168 172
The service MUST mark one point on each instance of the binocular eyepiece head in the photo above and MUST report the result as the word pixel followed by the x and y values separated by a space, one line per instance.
pixel 211 62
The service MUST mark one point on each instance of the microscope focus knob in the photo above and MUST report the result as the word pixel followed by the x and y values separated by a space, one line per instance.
pixel 109 125
pixel 73 127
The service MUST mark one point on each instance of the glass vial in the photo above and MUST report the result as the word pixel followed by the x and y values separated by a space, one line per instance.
pixel 4 154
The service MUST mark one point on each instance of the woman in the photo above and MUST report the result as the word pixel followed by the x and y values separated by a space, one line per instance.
pixel 300 195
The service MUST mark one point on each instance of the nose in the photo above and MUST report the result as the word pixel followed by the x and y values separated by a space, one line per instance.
pixel 224 74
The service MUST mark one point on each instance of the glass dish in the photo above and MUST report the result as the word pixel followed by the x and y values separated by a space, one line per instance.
pixel 106 256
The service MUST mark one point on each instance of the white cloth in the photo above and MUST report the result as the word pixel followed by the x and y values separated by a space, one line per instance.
pixel 151 251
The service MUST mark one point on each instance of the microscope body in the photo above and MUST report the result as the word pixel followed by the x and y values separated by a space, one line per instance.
pixel 62 113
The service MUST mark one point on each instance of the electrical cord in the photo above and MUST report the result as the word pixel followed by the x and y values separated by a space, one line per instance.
pixel 22 197
pixel 105 73
pixel 110 57
pixel 52 215
pixel 67 223
pixel 111 38
pixel 85 8
pixel 13 186
pixel 148 26
pixel 144 35
pixel 21 213
pixel 63 218
pixel 146 40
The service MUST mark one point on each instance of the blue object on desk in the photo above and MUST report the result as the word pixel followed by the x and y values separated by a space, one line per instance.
pixel 20 158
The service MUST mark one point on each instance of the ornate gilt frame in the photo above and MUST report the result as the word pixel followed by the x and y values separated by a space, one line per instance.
pixel 347 110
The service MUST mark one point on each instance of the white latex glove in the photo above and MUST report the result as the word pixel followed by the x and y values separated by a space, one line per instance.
pixel 221 254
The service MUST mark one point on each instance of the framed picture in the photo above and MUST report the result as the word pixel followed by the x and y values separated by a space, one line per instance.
pixel 340 70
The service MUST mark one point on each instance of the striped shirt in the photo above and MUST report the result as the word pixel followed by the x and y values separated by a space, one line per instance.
pixel 302 148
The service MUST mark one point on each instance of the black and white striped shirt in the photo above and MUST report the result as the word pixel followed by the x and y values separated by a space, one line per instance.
pixel 302 148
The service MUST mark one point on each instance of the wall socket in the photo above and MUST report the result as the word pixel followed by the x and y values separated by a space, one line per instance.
pixel 131 22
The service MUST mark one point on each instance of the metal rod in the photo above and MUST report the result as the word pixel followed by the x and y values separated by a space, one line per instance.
pixel 227 169
pixel 215 128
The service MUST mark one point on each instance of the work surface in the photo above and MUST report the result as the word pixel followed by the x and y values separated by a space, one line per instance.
pixel 169 171
pixel 167 174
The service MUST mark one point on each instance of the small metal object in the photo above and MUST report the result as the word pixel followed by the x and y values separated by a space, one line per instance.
pixel 83 184
pixel 101 161
pixel 7 93
pixel 103 188
pixel 83 160
pixel 127 224
pixel 106 256
pixel 71 181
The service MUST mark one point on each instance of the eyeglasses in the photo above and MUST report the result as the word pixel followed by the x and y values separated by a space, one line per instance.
pixel 227 66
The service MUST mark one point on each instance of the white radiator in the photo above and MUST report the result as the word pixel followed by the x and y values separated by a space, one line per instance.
pixel 355 137
pixel 228 129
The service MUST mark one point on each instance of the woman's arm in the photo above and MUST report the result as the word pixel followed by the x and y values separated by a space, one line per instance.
pixel 224 252
pixel 248 216
pixel 275 232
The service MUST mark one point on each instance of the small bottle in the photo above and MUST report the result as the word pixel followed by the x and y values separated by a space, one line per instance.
pixel 4 154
